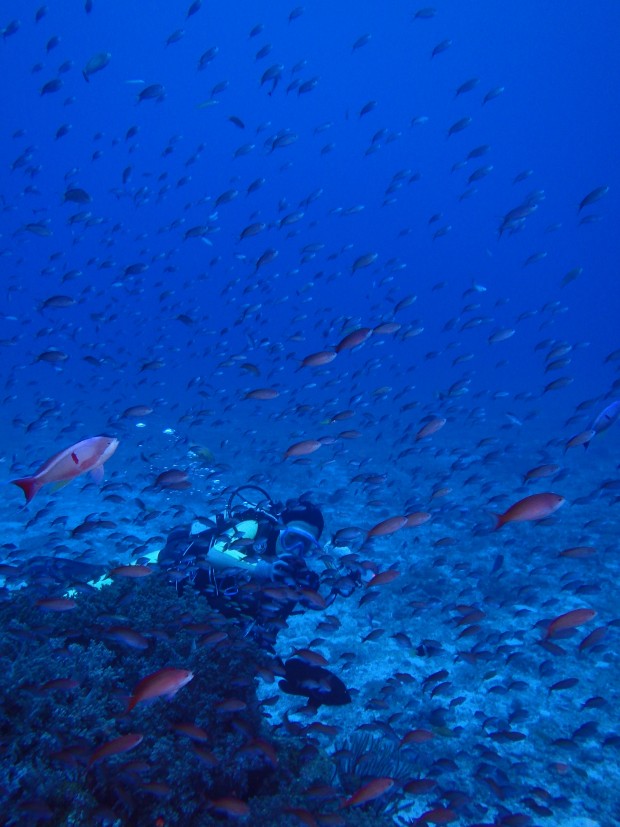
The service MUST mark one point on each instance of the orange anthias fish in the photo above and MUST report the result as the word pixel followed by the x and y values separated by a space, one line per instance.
pixel 116 746
pixel 569 620
pixel 164 682
pixel 369 792
pixel 87 455
pixel 534 507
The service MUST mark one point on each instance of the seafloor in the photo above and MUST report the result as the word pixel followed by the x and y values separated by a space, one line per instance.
pixel 513 727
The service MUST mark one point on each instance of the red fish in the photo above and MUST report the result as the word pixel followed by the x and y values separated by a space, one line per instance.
pixel 87 455
pixel 164 682
pixel 117 745
pixel 439 815
pixel 430 428
pixel 534 507
pixel 134 571
pixel 127 637
pixel 192 731
pixel 314 360
pixel 385 328
pixel 383 577
pixel 354 339
pixel 569 620
pixel 369 791
pixel 262 393
pixel 57 604
pixel 233 807
pixel 417 736
pixel 417 518
pixel 300 449
pixel 388 526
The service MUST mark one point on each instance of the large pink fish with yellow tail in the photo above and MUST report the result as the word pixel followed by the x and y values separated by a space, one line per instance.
pixel 89 455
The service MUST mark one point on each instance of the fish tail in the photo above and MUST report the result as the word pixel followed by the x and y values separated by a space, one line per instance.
pixel 499 521
pixel 29 485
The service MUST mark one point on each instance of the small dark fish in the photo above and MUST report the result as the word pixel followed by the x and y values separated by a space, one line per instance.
pixel 173 479
pixel 53 357
pixel 263 52
pixel 96 64
pixel 571 275
pixel 441 47
pixel 425 14
pixel 593 638
pixel 266 258
pixel 307 86
pixel 535 258
pixel 364 261
pixel 39 228
pixel 226 197
pixel 208 56
pixel 155 91
pixel 175 37
pixel 58 301
pixel 459 126
pixel 76 195
pixel 13 27
pixel 567 683
pixel 194 8
pixel 361 41
pixel 593 197
pixel 252 230
pixel 137 411
pixel 494 93
pixel 219 87
pixel 255 185
pixel 273 74
pixel 51 86
pixel 368 107
pixel 467 86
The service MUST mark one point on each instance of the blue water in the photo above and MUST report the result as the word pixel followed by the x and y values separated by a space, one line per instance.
pixel 187 323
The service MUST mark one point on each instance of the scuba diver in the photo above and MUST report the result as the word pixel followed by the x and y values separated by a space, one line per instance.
pixel 251 563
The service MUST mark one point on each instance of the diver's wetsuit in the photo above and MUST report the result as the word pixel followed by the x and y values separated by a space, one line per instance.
pixel 263 583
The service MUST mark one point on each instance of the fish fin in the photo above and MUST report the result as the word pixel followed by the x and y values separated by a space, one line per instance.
pixel 97 473
pixel 29 485
pixel 311 708
pixel 58 485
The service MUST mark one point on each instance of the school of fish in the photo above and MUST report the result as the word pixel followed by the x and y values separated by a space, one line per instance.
pixel 319 250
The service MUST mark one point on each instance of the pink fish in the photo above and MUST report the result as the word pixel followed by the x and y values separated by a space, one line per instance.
pixel 534 507
pixel 87 455
pixel 569 620
pixel 116 746
pixel 164 682
pixel 369 792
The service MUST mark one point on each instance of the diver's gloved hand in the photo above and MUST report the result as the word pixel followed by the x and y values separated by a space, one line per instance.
pixel 287 568
pixel 281 570
pixel 293 571
pixel 263 570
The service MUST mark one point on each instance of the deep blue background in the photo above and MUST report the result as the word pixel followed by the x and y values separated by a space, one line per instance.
pixel 560 70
